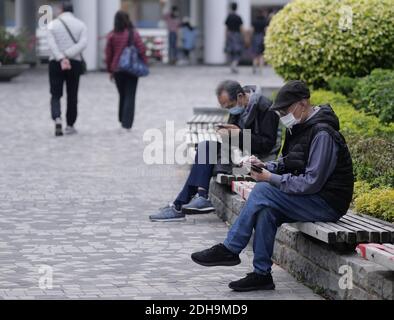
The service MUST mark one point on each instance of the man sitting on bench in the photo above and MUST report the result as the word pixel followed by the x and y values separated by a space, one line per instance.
pixel 312 182
pixel 249 109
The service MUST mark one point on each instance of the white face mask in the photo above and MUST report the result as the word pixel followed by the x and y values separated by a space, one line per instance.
pixel 289 121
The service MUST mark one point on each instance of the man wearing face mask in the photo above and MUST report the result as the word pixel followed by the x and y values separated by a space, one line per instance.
pixel 249 110
pixel 313 181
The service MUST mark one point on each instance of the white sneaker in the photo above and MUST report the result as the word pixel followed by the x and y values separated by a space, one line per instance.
pixel 70 130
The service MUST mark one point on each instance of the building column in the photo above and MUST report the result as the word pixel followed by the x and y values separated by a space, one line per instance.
pixel 87 11
pixel 26 20
pixel 106 14
pixel 194 12
pixel 215 13
pixel 245 11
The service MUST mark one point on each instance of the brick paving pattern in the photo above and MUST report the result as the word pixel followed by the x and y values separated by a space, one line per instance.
pixel 80 204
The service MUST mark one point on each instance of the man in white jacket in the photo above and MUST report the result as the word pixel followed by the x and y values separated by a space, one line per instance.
pixel 67 38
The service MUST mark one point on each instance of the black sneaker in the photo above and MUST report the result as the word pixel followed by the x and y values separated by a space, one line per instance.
pixel 253 281
pixel 218 255
pixel 58 130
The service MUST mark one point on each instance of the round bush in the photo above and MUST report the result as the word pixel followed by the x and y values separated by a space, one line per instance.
pixel 310 40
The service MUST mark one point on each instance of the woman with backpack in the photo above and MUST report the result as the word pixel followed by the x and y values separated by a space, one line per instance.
pixel 119 39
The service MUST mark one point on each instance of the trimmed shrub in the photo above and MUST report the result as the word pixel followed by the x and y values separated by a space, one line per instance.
pixel 375 94
pixel 376 202
pixel 353 122
pixel 344 85
pixel 373 160
pixel 307 41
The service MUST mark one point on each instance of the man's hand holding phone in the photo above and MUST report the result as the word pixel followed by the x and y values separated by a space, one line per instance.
pixel 260 174
pixel 227 129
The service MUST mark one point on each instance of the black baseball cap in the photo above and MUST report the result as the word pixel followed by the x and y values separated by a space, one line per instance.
pixel 292 92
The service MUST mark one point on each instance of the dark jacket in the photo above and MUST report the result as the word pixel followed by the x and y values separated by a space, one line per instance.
pixel 338 190
pixel 263 124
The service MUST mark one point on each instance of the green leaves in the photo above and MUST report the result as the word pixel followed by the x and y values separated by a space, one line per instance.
pixel 375 94
pixel 306 34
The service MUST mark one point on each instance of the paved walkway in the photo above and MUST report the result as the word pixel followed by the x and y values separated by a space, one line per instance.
pixel 80 204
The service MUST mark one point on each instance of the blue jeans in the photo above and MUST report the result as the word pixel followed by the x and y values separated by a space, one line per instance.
pixel 267 209
pixel 201 172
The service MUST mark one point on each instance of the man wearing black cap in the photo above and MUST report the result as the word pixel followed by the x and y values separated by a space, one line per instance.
pixel 312 181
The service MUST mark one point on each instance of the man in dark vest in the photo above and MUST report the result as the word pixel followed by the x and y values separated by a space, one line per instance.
pixel 312 181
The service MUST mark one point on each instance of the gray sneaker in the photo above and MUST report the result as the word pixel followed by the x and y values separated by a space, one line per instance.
pixel 199 205
pixel 168 214
pixel 70 131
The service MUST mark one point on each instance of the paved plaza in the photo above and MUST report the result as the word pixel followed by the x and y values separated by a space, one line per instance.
pixel 78 206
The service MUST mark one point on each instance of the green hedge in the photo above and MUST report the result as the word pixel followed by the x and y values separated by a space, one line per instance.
pixel 375 202
pixel 344 85
pixel 373 160
pixel 304 40
pixel 375 94
pixel 353 122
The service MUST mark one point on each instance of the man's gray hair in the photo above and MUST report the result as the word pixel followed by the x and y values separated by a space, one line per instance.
pixel 233 88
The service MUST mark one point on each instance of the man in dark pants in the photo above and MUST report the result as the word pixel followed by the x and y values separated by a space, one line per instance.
pixel 312 182
pixel 57 78
pixel 249 110
pixel 67 38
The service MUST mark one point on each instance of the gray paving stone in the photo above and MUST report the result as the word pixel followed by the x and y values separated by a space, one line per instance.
pixel 80 204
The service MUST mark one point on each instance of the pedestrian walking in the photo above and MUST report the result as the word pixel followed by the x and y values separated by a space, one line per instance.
pixel 123 34
pixel 173 24
pixel 67 38
pixel 188 39
pixel 234 39
pixel 259 26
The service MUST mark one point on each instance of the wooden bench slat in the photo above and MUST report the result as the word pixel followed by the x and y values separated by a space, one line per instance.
pixel 318 232
pixel 383 222
pixel 349 235
pixel 374 236
pixel 340 234
pixel 361 235
pixel 385 236
pixel 375 223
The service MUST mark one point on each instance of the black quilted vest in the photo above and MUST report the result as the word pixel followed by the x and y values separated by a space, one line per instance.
pixel 338 190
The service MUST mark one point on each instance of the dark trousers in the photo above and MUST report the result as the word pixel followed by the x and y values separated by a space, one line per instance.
pixel 127 88
pixel 173 50
pixel 201 171
pixel 57 78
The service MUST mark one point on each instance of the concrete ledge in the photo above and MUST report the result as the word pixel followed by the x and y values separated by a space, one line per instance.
pixel 313 262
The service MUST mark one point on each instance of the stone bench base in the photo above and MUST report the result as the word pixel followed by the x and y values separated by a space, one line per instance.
pixel 318 265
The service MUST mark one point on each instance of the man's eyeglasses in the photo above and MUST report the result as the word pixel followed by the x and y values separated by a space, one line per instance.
pixel 284 112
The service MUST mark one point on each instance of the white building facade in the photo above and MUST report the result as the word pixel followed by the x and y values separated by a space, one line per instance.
pixel 207 15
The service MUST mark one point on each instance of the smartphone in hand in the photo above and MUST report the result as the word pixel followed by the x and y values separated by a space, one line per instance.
pixel 257 169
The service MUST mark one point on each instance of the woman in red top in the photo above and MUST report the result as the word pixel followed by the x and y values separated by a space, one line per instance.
pixel 126 84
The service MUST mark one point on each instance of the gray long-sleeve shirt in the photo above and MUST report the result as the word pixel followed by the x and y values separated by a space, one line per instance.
pixel 322 160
